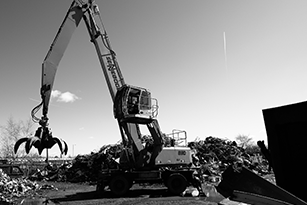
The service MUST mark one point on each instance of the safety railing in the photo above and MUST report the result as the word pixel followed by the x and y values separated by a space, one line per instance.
pixel 179 137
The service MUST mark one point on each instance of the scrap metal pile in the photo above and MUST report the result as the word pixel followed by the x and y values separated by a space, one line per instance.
pixel 84 168
pixel 213 156
pixel 87 168
pixel 11 189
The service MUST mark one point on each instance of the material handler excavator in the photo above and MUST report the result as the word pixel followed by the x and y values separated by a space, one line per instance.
pixel 132 106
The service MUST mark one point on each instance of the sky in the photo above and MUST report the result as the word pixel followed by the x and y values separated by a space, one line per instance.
pixel 213 65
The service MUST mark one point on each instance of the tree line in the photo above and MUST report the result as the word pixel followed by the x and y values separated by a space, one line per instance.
pixel 10 133
pixel 16 129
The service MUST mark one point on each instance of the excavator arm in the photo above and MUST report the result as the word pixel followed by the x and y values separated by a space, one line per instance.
pixel 43 138
pixel 77 11
pixel 54 56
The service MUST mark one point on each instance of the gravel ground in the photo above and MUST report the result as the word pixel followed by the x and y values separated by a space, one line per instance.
pixel 76 194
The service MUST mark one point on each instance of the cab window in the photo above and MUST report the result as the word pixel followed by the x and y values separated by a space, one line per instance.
pixel 133 101
pixel 145 103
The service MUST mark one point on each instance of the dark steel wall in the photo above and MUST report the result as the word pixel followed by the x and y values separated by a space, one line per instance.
pixel 286 128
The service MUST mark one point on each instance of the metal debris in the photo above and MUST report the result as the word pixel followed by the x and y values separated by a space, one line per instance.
pixel 11 189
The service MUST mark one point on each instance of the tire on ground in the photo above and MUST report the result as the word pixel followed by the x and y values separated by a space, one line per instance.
pixel 176 183
pixel 119 185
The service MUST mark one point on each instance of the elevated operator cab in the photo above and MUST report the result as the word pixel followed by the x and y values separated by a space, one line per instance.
pixel 134 104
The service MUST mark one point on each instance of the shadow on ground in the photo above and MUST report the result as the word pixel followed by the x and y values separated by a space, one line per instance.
pixel 136 193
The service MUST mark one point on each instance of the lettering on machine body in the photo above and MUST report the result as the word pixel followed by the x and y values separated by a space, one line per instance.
pixel 111 67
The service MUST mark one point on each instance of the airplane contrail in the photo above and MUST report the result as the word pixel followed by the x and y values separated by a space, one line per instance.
pixel 225 50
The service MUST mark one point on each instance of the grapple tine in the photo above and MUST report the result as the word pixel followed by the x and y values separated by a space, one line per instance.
pixel 65 148
pixel 58 141
pixel 18 143
pixel 31 141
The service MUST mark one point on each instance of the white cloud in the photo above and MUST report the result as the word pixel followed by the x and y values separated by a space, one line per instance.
pixel 64 97
pixel 55 94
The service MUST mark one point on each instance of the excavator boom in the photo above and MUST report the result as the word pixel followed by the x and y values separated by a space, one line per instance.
pixel 77 11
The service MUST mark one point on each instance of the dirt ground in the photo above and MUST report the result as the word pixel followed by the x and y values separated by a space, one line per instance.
pixel 60 193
